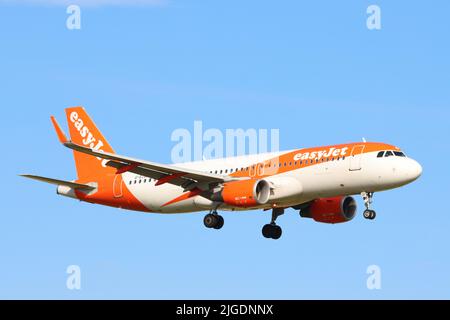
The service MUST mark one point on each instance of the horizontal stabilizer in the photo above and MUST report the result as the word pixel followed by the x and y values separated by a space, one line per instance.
pixel 74 185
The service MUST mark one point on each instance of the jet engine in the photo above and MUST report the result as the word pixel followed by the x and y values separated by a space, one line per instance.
pixel 245 193
pixel 331 210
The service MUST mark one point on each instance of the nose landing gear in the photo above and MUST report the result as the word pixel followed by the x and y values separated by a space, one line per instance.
pixel 272 230
pixel 368 199
pixel 370 214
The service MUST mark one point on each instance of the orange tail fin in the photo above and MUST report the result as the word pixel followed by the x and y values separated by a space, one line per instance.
pixel 83 131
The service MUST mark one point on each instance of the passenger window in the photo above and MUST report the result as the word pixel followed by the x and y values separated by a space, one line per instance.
pixel 388 154
pixel 380 154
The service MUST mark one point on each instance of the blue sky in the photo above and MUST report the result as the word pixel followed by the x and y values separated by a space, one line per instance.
pixel 314 71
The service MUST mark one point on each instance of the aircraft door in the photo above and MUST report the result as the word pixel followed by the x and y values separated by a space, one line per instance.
pixel 118 186
pixel 356 157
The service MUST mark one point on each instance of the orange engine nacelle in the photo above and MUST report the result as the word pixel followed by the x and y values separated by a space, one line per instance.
pixel 245 193
pixel 331 210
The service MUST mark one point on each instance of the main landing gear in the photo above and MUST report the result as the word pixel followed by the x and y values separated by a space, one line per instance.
pixel 368 199
pixel 272 230
pixel 213 220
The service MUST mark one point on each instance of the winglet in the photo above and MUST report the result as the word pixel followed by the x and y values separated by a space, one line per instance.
pixel 61 135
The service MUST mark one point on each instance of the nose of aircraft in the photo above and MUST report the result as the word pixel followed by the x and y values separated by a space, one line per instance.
pixel 413 170
pixel 404 171
pixel 418 169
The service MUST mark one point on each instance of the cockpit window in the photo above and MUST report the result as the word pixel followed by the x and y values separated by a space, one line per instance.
pixel 392 153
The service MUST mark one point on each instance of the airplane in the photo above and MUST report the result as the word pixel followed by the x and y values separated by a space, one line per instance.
pixel 319 182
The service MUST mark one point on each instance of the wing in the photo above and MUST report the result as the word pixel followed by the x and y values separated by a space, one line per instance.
pixel 184 177
pixel 163 173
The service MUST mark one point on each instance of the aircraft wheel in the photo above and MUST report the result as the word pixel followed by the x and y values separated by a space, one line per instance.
pixel 220 222
pixel 370 214
pixel 210 221
pixel 276 232
pixel 266 231
pixel 272 231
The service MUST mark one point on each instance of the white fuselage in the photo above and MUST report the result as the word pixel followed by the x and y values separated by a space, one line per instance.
pixel 349 175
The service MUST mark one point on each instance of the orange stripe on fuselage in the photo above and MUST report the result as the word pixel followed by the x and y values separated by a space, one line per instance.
pixel 105 194
pixel 317 155
pixel 187 195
